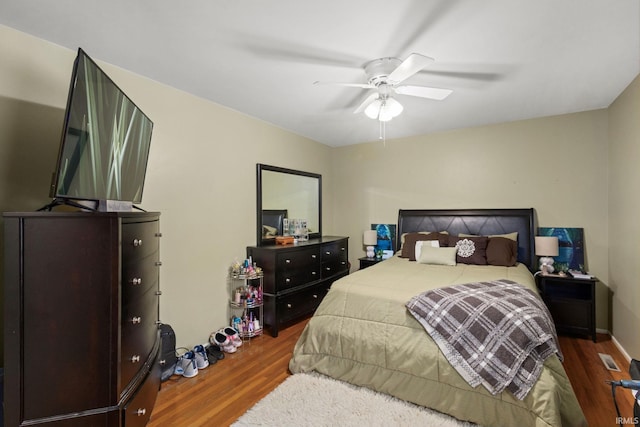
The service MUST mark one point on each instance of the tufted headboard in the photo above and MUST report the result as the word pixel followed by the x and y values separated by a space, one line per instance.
pixel 475 221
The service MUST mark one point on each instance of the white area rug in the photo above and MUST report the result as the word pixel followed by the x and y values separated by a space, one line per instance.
pixel 316 400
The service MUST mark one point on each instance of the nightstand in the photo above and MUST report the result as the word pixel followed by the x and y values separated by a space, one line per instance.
pixel 572 303
pixel 368 262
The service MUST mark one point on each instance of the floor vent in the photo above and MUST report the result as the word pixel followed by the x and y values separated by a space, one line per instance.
pixel 608 361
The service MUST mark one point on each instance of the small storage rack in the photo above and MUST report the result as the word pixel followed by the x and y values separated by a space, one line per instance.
pixel 246 295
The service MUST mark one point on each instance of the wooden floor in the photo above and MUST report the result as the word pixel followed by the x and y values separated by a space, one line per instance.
pixel 219 394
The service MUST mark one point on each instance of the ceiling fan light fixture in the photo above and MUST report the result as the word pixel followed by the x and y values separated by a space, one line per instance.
pixel 383 109
pixel 391 107
pixel 373 110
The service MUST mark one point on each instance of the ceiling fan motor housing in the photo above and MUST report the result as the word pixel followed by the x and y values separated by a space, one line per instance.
pixel 379 69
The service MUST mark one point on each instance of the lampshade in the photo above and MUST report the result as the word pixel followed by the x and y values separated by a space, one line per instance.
pixel 373 109
pixel 370 238
pixel 546 246
pixel 384 109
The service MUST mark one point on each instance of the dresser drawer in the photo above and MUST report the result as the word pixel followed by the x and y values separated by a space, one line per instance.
pixel 332 268
pixel 138 410
pixel 334 252
pixel 139 275
pixel 292 278
pixel 139 239
pixel 297 268
pixel 298 260
pixel 138 334
pixel 293 306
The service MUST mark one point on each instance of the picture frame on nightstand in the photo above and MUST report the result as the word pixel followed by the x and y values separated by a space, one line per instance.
pixel 386 237
pixel 570 247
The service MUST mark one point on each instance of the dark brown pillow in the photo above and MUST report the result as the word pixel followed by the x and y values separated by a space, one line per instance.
pixel 409 246
pixel 502 251
pixel 471 250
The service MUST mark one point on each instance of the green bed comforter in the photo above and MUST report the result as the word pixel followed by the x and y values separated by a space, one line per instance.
pixel 363 334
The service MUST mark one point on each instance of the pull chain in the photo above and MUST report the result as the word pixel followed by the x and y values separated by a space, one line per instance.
pixel 383 132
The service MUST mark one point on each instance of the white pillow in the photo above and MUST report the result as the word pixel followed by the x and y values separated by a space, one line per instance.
pixel 430 243
pixel 437 255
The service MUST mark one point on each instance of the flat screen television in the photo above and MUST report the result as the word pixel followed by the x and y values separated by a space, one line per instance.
pixel 105 142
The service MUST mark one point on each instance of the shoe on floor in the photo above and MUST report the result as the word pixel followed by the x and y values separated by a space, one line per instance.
pixel 233 335
pixel 186 365
pixel 215 353
pixel 201 358
pixel 220 339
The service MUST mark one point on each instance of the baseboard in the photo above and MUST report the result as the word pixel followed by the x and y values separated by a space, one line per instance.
pixel 622 350
pixel 616 343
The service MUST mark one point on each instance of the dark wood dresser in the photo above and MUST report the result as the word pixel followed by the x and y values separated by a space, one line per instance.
pixel 297 277
pixel 81 318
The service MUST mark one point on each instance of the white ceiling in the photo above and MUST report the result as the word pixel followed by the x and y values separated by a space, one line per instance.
pixel 505 59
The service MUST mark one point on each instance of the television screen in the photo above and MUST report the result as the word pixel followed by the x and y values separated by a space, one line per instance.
pixel 105 140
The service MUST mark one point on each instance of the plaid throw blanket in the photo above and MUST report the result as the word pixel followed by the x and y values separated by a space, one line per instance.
pixel 497 333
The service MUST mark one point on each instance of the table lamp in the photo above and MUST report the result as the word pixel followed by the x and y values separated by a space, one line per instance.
pixel 546 249
pixel 370 239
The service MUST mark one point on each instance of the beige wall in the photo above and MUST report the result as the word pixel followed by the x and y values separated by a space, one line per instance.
pixel 556 165
pixel 624 212
pixel 201 174
pixel 202 178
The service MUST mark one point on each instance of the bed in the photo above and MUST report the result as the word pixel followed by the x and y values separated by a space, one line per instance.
pixel 362 332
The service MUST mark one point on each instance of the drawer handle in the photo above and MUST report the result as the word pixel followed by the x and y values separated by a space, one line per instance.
pixel 158 234
pixel 314 256
pixel 136 319
pixel 287 280
pixel 158 263
pixel 136 281
pixel 135 358
pixel 315 296
pixel 343 262
pixel 140 412
pixel 343 249
pixel 313 273
pixel 162 362
pixel 287 261
pixel 327 253
pixel 328 268
pixel 137 242
pixel 288 305
pixel 158 293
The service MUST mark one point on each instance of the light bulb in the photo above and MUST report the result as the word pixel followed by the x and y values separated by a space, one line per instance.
pixel 373 109
pixel 393 107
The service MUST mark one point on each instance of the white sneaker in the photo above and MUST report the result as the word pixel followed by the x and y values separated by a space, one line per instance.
pixel 220 339
pixel 233 335
pixel 201 358
pixel 186 365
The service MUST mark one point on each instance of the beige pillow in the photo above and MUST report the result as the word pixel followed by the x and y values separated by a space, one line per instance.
pixel 420 243
pixel 510 236
pixel 437 256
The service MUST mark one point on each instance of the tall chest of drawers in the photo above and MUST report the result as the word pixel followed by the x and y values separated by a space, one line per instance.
pixel 81 318
pixel 297 277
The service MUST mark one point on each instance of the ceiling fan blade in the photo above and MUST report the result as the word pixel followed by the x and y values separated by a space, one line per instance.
pixel 414 63
pixel 424 92
pixel 366 102
pixel 360 85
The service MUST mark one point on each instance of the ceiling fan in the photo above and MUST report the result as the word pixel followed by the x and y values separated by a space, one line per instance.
pixel 386 75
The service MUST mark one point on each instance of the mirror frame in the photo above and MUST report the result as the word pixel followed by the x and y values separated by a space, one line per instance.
pixel 262 167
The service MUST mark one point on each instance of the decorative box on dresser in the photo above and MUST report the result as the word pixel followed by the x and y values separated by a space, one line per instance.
pixel 81 318
pixel 297 277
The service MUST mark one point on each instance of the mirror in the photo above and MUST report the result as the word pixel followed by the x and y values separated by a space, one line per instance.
pixel 287 193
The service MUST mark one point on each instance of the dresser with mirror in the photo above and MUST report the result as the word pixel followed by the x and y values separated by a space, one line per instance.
pixel 296 275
